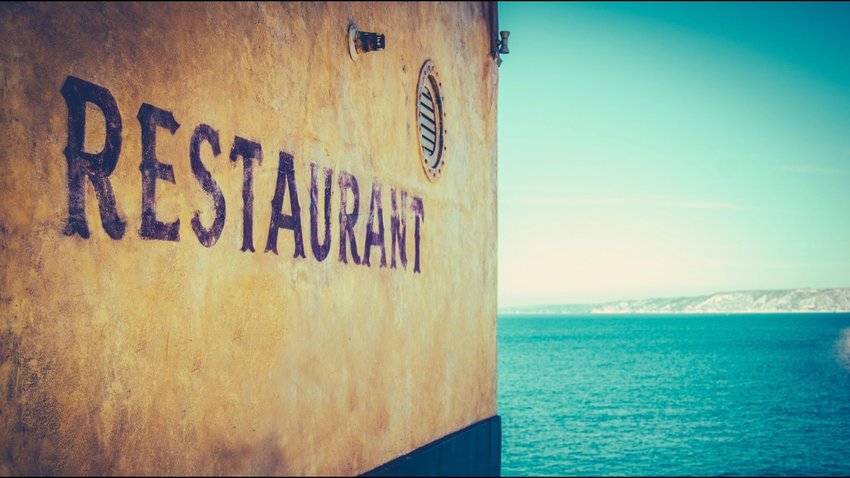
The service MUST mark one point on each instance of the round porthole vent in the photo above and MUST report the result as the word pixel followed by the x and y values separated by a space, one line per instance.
pixel 430 121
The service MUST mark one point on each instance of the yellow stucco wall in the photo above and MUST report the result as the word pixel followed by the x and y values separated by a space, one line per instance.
pixel 151 356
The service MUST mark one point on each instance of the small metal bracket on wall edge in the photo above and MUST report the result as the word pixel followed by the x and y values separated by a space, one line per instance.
pixel 498 40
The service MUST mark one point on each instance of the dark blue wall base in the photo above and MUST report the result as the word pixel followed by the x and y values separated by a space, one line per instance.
pixel 473 451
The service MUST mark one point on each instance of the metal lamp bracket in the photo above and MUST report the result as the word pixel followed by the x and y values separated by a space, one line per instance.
pixel 363 42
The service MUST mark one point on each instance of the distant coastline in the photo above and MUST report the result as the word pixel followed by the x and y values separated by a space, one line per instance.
pixel 786 301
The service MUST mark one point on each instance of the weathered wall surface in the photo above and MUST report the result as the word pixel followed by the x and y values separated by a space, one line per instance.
pixel 146 355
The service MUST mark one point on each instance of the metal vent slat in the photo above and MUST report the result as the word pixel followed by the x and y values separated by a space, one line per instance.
pixel 430 119
pixel 428 130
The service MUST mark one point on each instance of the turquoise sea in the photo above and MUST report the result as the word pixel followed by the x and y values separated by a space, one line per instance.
pixel 675 395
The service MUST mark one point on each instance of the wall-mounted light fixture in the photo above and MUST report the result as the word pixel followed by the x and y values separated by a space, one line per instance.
pixel 503 43
pixel 363 42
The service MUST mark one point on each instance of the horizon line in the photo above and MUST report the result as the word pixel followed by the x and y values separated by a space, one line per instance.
pixel 672 297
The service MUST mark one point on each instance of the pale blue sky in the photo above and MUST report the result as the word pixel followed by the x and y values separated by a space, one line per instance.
pixel 672 149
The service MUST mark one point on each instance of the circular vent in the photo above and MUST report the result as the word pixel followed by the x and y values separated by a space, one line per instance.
pixel 429 118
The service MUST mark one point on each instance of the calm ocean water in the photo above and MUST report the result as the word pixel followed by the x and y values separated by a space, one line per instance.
pixel 675 395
